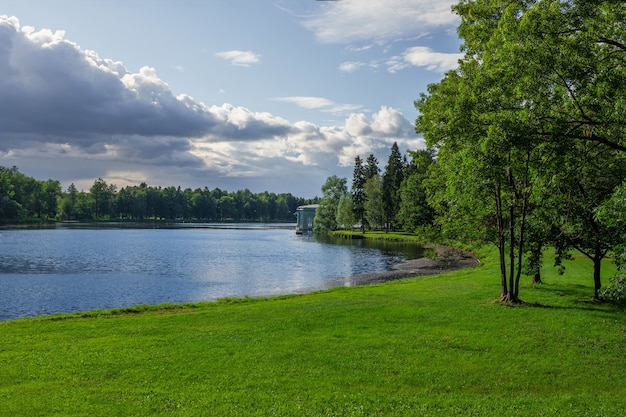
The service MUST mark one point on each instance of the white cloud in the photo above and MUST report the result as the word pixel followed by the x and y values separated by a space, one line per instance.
pixel 241 124
pixel 240 58
pixel 351 66
pixel 309 148
pixel 68 114
pixel 349 21
pixel 422 56
pixel 320 103
pixel 50 88
pixel 306 102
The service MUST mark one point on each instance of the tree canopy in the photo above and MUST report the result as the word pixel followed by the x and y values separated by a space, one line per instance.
pixel 541 83
pixel 24 199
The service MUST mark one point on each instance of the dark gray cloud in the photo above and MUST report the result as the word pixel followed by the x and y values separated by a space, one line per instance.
pixel 51 88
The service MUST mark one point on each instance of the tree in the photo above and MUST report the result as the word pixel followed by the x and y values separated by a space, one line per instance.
pixel 102 194
pixel 51 192
pixel 226 207
pixel 414 209
pixel 391 181
pixel 374 212
pixel 283 212
pixel 68 202
pixel 10 209
pixel 371 167
pixel 345 212
pixel 540 81
pixel 358 196
pixel 590 176
pixel 326 214
pixel 202 205
pixel 84 207
pixel 485 130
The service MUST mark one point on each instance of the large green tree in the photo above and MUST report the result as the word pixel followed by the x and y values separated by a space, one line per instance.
pixel 326 214
pixel 485 129
pixel 539 78
pixel 590 176
pixel 374 212
pixel 345 212
pixel 391 181
pixel 415 211
pixel 102 194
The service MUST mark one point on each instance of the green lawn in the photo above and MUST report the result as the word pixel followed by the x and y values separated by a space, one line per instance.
pixel 430 346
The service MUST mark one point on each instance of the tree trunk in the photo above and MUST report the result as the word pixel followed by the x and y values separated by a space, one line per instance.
pixel 513 283
pixel 536 278
pixel 522 233
pixel 501 247
pixel 597 263
pixel 513 290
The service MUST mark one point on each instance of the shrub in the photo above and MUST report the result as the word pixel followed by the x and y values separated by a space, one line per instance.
pixel 616 290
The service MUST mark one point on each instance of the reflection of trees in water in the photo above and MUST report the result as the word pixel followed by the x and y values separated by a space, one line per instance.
pixel 402 250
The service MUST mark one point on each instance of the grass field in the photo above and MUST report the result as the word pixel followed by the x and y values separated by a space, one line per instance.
pixel 430 346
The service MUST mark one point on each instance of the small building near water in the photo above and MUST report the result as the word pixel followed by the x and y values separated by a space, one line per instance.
pixel 304 218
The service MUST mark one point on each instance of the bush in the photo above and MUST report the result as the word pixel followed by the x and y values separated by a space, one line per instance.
pixel 616 290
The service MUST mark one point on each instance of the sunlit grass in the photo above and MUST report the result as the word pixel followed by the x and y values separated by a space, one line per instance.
pixel 429 346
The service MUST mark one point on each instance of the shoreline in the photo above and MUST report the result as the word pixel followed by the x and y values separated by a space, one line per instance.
pixel 447 259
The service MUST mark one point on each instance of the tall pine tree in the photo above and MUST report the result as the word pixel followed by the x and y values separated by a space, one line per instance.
pixel 392 180
pixel 358 196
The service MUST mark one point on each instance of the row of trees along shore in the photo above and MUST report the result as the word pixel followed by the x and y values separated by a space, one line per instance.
pixel 530 140
pixel 24 199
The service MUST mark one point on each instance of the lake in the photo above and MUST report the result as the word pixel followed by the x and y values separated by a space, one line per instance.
pixel 72 269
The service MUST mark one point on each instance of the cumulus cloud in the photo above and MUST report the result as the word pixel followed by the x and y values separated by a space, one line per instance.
pixel 348 21
pixel 242 124
pixel 240 58
pixel 313 146
pixel 64 110
pixel 51 88
pixel 422 56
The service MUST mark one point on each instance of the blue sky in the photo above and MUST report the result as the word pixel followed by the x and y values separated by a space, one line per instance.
pixel 272 95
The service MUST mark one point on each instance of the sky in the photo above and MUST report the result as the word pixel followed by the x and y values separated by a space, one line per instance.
pixel 265 95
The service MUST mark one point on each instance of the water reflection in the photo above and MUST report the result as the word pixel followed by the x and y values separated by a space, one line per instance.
pixel 77 269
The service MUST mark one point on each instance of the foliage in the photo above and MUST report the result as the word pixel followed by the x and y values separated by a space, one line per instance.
pixel 374 211
pixel 391 181
pixel 371 167
pixel 538 96
pixel 358 193
pixel 24 199
pixel 428 346
pixel 345 212
pixel 616 290
pixel 586 182
pixel 326 214
pixel 414 211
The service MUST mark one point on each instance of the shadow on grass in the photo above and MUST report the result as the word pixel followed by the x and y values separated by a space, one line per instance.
pixel 575 297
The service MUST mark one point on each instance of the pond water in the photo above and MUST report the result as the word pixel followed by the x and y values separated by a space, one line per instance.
pixel 63 270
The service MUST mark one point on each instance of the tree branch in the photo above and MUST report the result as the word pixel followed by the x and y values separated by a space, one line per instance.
pixel 612 42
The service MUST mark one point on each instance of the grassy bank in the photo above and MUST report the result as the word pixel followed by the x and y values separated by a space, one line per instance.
pixel 377 235
pixel 428 346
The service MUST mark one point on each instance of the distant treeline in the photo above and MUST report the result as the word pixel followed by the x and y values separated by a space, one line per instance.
pixel 24 199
